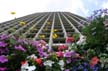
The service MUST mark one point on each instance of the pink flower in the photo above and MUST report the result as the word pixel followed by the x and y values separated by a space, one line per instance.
pixel 62 47
pixel 3 68
pixel 59 54
pixel 42 42
pixel 70 40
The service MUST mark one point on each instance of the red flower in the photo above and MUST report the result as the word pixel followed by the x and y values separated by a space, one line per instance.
pixel 23 62
pixel 94 61
pixel 38 61
pixel 70 39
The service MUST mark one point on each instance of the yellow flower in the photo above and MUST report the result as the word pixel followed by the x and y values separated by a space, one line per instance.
pixel 41 36
pixel 54 36
pixel 55 30
pixel 22 23
pixel 13 13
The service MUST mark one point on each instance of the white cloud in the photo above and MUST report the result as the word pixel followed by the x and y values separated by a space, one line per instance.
pixel 77 5
pixel 58 5
pixel 25 7
pixel 21 7
pixel 105 4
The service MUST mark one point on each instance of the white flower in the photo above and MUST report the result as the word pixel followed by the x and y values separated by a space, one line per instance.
pixel 61 63
pixel 26 67
pixel 32 56
pixel 82 40
pixel 48 63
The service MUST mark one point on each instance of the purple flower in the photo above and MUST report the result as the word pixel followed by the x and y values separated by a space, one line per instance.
pixel 3 50
pixel 66 70
pixel 22 41
pixel 86 64
pixel 80 67
pixel 2 44
pixel 3 68
pixel 19 47
pixel 41 52
pixel 89 19
pixel 82 22
pixel 105 11
pixel 94 68
pixel 39 49
pixel 3 59
pixel 35 43
pixel 85 69
pixel 3 36
pixel 95 12
pixel 68 60
pixel 69 53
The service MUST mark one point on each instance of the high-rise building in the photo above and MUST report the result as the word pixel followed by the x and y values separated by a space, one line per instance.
pixel 53 27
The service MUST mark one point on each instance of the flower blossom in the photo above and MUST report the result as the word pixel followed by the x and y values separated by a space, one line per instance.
pixel 3 59
pixel 48 63
pixel 3 68
pixel 62 47
pixel 94 61
pixel 70 39
pixel 19 47
pixel 61 63
pixel 38 61
pixel 59 54
pixel 26 67
pixel 2 44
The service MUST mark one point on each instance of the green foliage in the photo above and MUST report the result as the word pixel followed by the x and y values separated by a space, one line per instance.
pixel 76 36
pixel 96 35
pixel 95 32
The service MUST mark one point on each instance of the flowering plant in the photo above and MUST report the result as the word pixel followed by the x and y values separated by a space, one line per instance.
pixel 17 54
pixel 22 23
pixel 41 36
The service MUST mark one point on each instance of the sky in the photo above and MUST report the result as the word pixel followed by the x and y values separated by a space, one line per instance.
pixel 25 7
